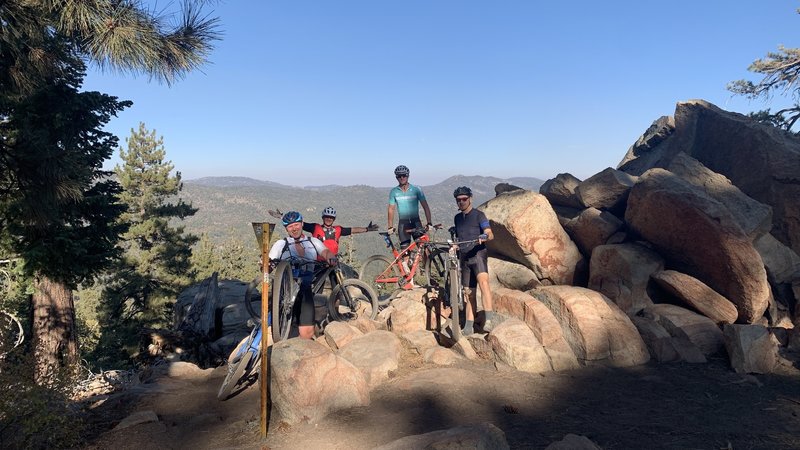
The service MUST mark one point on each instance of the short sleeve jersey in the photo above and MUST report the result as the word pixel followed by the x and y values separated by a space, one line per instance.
pixel 312 247
pixel 469 227
pixel 407 202
pixel 328 235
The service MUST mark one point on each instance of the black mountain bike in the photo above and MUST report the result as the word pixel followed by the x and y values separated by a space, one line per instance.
pixel 349 297
pixel 450 276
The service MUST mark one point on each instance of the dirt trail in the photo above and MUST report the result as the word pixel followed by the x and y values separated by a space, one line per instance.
pixel 670 406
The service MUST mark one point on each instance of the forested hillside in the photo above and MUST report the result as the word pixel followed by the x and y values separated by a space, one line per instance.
pixel 227 205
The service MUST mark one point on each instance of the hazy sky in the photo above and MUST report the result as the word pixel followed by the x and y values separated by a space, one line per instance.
pixel 340 92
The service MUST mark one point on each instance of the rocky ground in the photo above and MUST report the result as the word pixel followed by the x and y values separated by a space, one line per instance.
pixel 653 406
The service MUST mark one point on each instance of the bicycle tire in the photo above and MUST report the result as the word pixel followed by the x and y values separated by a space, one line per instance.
pixel 454 293
pixel 435 268
pixel 352 302
pixel 254 312
pixel 11 333
pixel 374 267
pixel 281 313
pixel 238 363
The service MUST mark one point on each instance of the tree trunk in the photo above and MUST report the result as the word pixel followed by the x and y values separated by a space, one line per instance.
pixel 55 343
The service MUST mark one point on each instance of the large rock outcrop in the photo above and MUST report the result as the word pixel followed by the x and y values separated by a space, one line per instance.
pixel 527 231
pixel 698 236
pixel 761 160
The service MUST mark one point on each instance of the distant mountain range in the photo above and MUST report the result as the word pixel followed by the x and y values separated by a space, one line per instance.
pixel 227 205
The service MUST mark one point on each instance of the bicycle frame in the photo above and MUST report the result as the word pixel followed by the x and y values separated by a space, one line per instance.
pixel 453 290
pixel 418 246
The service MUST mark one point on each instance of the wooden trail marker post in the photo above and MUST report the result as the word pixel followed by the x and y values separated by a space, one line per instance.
pixel 263 231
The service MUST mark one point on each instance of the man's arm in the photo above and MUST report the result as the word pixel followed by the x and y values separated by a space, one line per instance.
pixel 309 227
pixel 390 216
pixel 427 210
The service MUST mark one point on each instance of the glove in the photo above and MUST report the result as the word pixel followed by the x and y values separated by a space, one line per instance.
pixel 276 213
pixel 428 227
pixel 372 227
pixel 484 237
pixel 391 230
pixel 333 261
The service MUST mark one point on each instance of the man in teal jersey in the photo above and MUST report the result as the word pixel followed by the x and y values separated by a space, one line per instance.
pixel 405 198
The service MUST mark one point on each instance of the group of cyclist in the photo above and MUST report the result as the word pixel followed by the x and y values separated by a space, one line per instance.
pixel 404 201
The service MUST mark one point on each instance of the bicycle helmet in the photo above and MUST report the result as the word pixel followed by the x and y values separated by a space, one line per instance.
pixel 401 170
pixel 329 212
pixel 463 190
pixel 291 217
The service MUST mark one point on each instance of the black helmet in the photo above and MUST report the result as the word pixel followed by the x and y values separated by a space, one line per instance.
pixel 401 170
pixel 463 190
pixel 291 217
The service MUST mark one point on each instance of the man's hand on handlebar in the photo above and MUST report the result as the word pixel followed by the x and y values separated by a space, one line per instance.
pixel 483 238
pixel 391 230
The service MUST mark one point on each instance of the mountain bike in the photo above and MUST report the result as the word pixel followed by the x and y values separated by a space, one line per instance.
pixel 349 297
pixel 453 291
pixel 243 361
pixel 386 275
pixel 11 333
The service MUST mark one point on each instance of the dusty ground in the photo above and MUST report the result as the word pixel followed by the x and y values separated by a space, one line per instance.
pixel 671 406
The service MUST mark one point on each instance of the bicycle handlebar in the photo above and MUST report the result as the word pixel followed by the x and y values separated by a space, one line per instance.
pixel 423 230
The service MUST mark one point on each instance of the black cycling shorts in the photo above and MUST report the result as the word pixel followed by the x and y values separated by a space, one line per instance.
pixel 405 238
pixel 473 265
pixel 303 310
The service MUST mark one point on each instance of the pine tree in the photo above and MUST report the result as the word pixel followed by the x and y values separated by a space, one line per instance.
pixel 58 208
pixel 156 255
pixel 52 194
pixel 781 73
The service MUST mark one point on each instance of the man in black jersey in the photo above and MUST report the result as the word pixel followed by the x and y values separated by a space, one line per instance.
pixel 471 224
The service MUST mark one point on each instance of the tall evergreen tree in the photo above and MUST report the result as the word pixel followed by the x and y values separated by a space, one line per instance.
pixel 50 182
pixel 64 231
pixel 156 255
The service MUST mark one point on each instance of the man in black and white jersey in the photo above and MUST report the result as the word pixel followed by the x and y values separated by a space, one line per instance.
pixel 298 245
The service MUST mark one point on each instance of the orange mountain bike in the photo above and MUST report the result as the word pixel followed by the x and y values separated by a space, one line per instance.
pixel 418 264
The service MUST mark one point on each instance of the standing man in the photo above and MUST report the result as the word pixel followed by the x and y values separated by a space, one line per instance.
pixel 326 231
pixel 405 198
pixel 298 245
pixel 472 224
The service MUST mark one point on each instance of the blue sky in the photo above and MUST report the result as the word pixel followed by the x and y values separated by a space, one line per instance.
pixel 340 92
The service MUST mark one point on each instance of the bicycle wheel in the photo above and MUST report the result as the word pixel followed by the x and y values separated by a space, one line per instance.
pixel 435 268
pixel 453 286
pixel 352 298
pixel 254 312
pixel 238 363
pixel 282 301
pixel 11 334
pixel 379 267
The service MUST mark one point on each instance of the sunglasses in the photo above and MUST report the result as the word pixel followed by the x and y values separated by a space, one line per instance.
pixel 401 176
pixel 462 199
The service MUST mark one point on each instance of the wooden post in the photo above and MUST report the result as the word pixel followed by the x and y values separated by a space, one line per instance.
pixel 263 232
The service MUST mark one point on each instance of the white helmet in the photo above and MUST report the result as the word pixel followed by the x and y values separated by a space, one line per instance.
pixel 329 212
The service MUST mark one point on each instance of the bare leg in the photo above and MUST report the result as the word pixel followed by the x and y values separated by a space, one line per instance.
pixel 486 293
pixel 306 331
pixel 470 303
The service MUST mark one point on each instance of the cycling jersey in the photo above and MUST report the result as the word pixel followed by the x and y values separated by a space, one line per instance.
pixel 328 235
pixel 407 202
pixel 473 256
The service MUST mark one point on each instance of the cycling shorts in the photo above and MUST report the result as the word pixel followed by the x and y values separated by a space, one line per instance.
pixel 303 310
pixel 402 225
pixel 472 265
